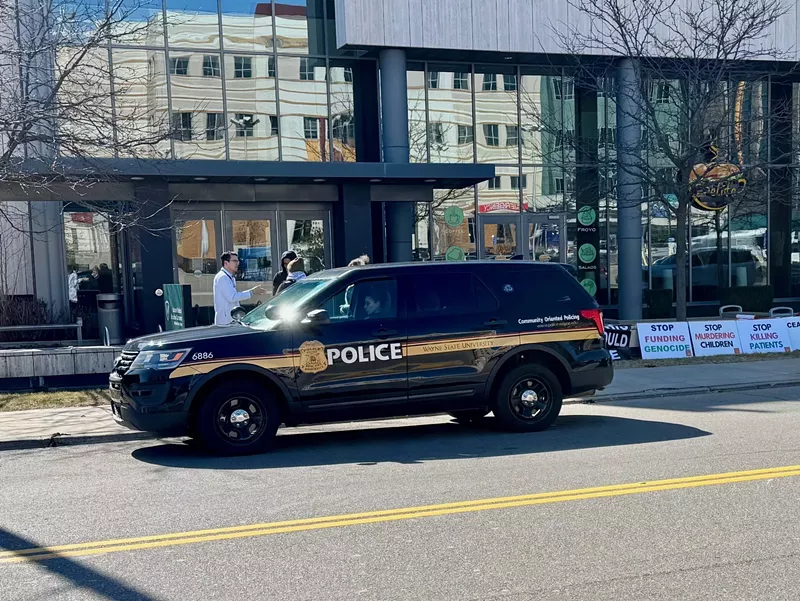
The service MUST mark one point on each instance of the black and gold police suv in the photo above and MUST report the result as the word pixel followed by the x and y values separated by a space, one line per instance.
pixel 508 337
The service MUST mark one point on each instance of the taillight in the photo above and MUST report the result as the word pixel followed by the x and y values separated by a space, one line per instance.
pixel 596 315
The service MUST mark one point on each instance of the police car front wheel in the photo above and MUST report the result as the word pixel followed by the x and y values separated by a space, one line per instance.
pixel 238 418
pixel 528 399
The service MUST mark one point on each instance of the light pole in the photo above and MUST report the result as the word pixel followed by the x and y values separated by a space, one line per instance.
pixel 247 124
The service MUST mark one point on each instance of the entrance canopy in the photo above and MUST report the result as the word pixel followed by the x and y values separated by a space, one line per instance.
pixel 431 175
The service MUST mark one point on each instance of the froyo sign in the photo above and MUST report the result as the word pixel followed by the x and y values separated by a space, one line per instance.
pixel 764 336
pixel 715 338
pixel 664 340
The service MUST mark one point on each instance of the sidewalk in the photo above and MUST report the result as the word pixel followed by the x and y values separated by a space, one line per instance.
pixel 84 425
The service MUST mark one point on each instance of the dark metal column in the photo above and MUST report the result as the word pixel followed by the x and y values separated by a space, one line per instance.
pixel 394 118
pixel 629 192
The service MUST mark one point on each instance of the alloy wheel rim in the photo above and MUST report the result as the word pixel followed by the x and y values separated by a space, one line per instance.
pixel 241 419
pixel 530 398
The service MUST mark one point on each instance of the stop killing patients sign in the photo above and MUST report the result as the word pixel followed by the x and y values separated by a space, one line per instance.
pixel 664 340
pixel 715 338
pixel 764 335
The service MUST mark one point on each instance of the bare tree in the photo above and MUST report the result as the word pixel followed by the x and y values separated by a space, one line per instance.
pixel 63 99
pixel 694 95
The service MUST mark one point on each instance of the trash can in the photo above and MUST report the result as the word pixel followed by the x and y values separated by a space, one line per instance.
pixel 109 318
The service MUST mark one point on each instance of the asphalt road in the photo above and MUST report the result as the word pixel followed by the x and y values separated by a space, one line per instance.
pixel 155 521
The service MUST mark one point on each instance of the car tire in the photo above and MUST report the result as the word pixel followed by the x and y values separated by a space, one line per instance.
pixel 238 418
pixel 469 416
pixel 528 399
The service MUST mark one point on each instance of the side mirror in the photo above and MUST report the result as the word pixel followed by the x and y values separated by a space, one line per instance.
pixel 272 313
pixel 317 317
pixel 238 313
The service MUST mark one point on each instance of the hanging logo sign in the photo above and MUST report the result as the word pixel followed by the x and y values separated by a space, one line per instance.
pixel 715 338
pixel 453 216
pixel 664 340
pixel 764 335
pixel 715 184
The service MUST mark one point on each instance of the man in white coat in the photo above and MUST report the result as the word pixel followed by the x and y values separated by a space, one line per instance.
pixel 226 297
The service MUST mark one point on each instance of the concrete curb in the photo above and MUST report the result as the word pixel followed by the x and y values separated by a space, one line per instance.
pixel 64 440
pixel 671 392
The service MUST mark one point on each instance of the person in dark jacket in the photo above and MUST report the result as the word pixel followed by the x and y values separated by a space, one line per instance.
pixel 105 279
pixel 280 277
pixel 296 271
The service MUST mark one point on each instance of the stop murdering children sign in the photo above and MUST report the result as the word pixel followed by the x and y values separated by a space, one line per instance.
pixel 664 340
pixel 715 338
pixel 764 335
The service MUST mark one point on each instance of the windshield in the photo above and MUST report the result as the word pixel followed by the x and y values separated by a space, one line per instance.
pixel 288 300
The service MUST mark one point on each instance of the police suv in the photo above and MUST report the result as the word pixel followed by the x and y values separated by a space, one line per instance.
pixel 512 338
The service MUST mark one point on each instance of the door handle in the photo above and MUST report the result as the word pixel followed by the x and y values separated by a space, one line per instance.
pixel 497 323
pixel 384 333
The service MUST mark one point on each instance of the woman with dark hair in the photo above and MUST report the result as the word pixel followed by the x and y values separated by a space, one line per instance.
pixel 281 276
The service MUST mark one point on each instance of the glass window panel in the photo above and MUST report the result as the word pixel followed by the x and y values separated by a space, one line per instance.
pixel 343 117
pixel 197 252
pixel 196 103
pixel 304 109
pixel 252 241
pixel 419 237
pixel 749 109
pixel 142 115
pixel 544 189
pixel 542 129
pixel 252 108
pixel 454 224
pixel 138 23
pixel 299 26
pixel 417 126
pixel 451 133
pixel 495 113
pixel 247 25
pixel 500 238
pixel 192 24
pixel 748 234
pixel 498 196
pixel 306 237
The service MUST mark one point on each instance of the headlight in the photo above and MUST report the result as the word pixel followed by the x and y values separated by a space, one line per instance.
pixel 159 359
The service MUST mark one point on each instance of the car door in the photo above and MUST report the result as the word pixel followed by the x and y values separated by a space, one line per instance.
pixel 454 330
pixel 356 360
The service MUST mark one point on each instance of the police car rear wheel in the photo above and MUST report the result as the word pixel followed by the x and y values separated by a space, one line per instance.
pixel 528 399
pixel 238 419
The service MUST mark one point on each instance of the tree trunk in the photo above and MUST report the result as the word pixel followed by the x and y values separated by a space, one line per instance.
pixel 681 262
pixel 720 264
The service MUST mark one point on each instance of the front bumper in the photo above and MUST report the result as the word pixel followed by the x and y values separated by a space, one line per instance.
pixel 151 404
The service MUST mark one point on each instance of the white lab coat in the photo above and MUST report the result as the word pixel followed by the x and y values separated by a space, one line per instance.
pixel 226 297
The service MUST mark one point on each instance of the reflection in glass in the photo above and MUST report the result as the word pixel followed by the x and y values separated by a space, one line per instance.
pixel 138 22
pixel 247 25
pixel 299 26
pixel 417 124
pixel 192 24
pixel 252 242
pixel 542 131
pixel 343 121
pixel 499 195
pixel 251 108
pixel 142 116
pixel 197 107
pixel 497 127
pixel 454 223
pixel 543 188
pixel 306 237
pixel 420 233
pixel 304 109
pixel 196 250
pixel 500 239
pixel 451 132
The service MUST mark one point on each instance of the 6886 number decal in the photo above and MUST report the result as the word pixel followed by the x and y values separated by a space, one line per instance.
pixel 202 356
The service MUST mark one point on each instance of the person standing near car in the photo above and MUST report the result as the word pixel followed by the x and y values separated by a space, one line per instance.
pixel 226 296
pixel 296 271
pixel 281 276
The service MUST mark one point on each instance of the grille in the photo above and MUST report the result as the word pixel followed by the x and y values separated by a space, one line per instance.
pixel 123 362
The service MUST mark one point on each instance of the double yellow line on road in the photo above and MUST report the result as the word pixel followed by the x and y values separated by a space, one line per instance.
pixel 389 515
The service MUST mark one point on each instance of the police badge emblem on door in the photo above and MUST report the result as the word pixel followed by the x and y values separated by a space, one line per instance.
pixel 312 357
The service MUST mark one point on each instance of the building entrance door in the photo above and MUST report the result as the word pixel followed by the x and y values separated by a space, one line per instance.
pixel 500 237
pixel 259 235
pixel 546 237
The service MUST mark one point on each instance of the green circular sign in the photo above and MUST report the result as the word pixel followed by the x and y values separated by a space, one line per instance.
pixel 586 215
pixel 587 253
pixel 454 253
pixel 453 216
pixel 589 285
